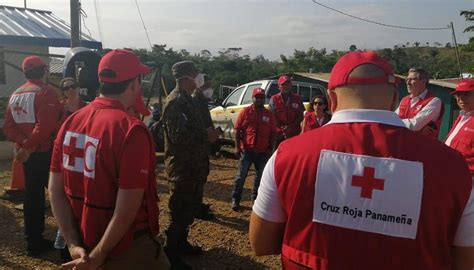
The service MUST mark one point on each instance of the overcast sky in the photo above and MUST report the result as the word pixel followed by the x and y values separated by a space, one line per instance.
pixel 267 27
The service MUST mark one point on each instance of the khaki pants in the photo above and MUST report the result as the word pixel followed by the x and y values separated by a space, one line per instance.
pixel 141 255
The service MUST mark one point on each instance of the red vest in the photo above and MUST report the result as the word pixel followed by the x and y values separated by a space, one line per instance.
pixel 446 190
pixel 257 129
pixel 288 112
pixel 310 121
pixel 33 114
pixel 92 195
pixel 405 111
pixel 464 141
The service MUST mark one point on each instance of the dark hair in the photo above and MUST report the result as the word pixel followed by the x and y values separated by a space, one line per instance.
pixel 67 79
pixel 106 88
pixel 325 100
pixel 422 74
pixel 35 73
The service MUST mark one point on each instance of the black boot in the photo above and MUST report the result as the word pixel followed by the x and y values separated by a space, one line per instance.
pixel 185 248
pixel 204 212
pixel 176 262
pixel 38 246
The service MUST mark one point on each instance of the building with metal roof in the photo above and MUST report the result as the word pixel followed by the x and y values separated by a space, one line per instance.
pixel 25 31
pixel 24 26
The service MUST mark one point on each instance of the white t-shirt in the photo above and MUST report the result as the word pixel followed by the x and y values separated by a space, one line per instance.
pixel 268 204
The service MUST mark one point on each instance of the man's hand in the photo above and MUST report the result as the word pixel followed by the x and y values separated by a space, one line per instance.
pixel 80 259
pixel 212 134
pixel 238 151
pixel 22 155
pixel 96 260
pixel 77 252
pixel 83 261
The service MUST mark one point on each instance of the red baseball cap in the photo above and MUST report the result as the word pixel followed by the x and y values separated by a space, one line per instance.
pixel 465 85
pixel 32 61
pixel 120 65
pixel 283 79
pixel 258 91
pixel 140 106
pixel 340 74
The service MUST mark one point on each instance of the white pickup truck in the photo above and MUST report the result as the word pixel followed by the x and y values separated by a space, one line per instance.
pixel 224 116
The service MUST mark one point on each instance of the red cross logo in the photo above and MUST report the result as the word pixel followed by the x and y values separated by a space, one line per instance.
pixel 72 151
pixel 367 182
pixel 18 109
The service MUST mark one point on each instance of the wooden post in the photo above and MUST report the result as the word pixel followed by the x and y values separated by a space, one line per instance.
pixel 75 26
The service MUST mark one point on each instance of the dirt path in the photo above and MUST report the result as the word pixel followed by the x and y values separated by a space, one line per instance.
pixel 225 239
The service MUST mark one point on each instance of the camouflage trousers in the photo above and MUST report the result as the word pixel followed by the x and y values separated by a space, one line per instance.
pixel 185 200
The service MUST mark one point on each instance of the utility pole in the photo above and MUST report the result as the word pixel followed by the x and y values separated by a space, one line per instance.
pixel 456 51
pixel 25 4
pixel 75 9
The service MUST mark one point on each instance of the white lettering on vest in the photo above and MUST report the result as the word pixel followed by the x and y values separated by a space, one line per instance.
pixel 22 107
pixel 371 194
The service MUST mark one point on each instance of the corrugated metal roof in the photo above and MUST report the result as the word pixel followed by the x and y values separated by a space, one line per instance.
pixel 37 27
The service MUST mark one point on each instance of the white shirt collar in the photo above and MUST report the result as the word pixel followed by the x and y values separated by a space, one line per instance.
pixel 366 116
pixel 463 113
pixel 420 96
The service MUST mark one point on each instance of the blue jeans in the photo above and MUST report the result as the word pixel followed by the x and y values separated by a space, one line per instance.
pixel 246 159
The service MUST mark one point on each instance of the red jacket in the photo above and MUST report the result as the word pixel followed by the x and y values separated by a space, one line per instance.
pixel 310 121
pixel 88 152
pixel 33 116
pixel 287 113
pixel 446 186
pixel 463 141
pixel 257 129
pixel 406 112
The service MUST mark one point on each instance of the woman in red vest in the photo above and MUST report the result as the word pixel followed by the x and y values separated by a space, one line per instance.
pixel 318 115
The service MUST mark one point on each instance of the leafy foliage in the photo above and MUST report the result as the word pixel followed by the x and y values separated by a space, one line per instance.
pixel 228 67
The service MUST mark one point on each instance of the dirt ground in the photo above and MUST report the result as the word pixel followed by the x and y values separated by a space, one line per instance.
pixel 224 240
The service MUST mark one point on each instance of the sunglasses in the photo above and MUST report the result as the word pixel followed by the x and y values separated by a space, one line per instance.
pixel 72 86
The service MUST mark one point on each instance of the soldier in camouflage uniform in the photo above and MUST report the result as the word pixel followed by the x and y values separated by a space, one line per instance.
pixel 201 97
pixel 185 159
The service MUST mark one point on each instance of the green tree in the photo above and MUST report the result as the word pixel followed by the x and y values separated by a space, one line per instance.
pixel 469 16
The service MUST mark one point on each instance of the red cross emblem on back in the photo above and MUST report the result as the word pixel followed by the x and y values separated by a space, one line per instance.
pixel 367 182
pixel 18 109
pixel 72 151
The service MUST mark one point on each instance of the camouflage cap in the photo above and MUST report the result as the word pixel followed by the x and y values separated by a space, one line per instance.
pixel 184 68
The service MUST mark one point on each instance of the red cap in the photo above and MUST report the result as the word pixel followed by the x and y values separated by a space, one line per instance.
pixel 258 91
pixel 140 106
pixel 120 65
pixel 344 66
pixel 31 62
pixel 283 79
pixel 465 85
